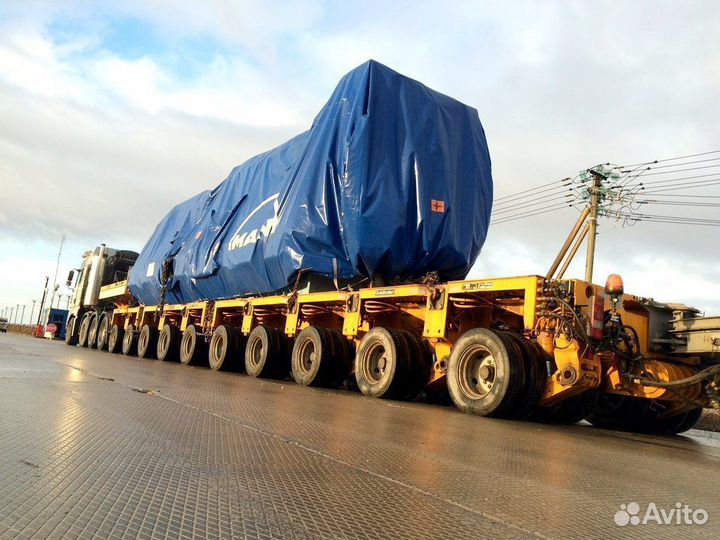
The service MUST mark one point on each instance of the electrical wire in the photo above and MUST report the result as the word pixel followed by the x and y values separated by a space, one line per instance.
pixel 514 195
pixel 534 197
pixel 679 170
pixel 506 219
pixel 528 204
pixel 679 165
pixel 684 195
pixel 677 203
pixel 674 158
pixel 680 179
pixel 678 220
pixel 689 185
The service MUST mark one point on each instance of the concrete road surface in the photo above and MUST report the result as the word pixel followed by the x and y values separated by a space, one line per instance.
pixel 100 445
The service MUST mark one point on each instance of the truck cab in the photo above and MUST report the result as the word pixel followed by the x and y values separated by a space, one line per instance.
pixel 101 267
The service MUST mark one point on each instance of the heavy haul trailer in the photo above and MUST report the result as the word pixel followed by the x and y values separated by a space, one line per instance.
pixel 520 347
pixel 392 183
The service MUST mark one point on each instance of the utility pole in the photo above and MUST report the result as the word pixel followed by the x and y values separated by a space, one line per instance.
pixel 42 302
pixel 17 312
pixel 592 232
pixel 32 310
pixel 57 266
pixel 22 317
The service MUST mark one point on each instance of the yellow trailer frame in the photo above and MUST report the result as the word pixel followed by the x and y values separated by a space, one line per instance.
pixel 439 313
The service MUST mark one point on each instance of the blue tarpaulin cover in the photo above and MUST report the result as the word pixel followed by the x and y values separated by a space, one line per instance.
pixel 392 180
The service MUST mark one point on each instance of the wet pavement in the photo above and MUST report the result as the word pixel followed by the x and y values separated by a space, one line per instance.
pixel 100 445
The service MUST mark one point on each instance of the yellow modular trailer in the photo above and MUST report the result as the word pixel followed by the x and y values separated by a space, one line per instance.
pixel 514 347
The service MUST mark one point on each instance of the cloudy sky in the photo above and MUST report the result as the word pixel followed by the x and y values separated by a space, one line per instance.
pixel 111 113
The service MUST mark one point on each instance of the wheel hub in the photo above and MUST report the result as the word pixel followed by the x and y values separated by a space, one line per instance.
pixel 477 372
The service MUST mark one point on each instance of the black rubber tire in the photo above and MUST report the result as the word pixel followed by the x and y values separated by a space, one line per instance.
pixel 115 339
pixel 224 350
pixel 675 424
pixel 534 376
pixel 193 349
pixel 266 353
pixel 463 373
pixel 380 363
pixel 313 357
pixel 624 413
pixel 92 330
pixel 692 417
pixel 570 411
pixel 168 344
pixel 103 331
pixel 83 331
pixel 147 341
pixel 343 359
pixel 71 334
pixel 419 364
pixel 130 341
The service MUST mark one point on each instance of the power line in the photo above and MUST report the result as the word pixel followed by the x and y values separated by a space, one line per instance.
pixel 689 185
pixel 666 219
pixel 532 196
pixel 543 200
pixel 620 191
pixel 506 219
pixel 515 195
pixel 679 164
pixel 677 170
pixel 679 179
pixel 682 195
pixel 672 159
pixel 678 203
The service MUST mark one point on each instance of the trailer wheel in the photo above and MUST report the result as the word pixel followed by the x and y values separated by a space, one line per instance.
pixel 192 347
pixel 130 341
pixel 103 331
pixel 71 337
pixel 266 352
pixel 92 331
pixel 418 366
pixel 224 348
pixel 485 373
pixel 313 358
pixel 84 328
pixel 570 411
pixel 675 424
pixel 115 339
pixel 533 358
pixel 624 413
pixel 692 417
pixel 168 345
pixel 147 342
pixel 343 355
pixel 380 363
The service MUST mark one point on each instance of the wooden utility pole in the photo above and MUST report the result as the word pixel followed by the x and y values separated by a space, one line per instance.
pixel 568 241
pixel 42 302
pixel 592 232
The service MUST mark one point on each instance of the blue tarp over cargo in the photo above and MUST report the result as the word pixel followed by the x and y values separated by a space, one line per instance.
pixel 392 180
